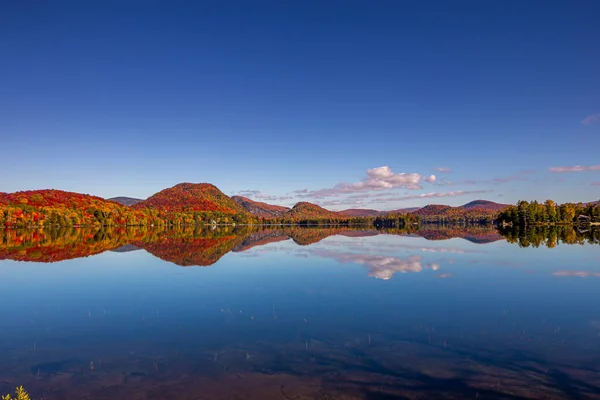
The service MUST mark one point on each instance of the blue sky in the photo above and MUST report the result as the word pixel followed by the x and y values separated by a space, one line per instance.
pixel 289 101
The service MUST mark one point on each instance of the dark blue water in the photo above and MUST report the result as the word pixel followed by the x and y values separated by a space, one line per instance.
pixel 347 317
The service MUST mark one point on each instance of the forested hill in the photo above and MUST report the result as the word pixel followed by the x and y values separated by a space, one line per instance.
pixel 192 197
pixel 57 207
pixel 203 203
pixel 181 204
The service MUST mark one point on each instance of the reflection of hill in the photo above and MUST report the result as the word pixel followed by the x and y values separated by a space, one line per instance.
pixel 300 235
pixel 126 248
pixel 306 236
pixel 482 239
pixel 181 246
pixel 261 238
pixel 203 246
pixel 473 233
pixel 62 244
pixel 194 247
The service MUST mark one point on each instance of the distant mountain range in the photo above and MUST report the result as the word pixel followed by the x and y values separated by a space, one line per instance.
pixel 260 209
pixel 310 210
pixel 359 212
pixel 204 196
pixel 125 201
pixel 199 202
pixel 313 211
pixel 484 205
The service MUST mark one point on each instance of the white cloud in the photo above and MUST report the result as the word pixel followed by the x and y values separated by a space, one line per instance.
pixel 379 178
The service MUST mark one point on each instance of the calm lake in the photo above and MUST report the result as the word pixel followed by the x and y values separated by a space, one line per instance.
pixel 300 313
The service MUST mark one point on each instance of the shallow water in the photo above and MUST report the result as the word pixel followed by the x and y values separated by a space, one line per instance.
pixel 298 314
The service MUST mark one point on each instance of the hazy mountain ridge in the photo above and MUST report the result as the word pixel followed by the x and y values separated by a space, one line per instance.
pixel 305 209
pixel 260 209
pixel 359 212
pixel 484 204
pixel 125 201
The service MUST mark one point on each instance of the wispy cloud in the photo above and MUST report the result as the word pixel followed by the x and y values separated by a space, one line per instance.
pixel 595 183
pixel 443 169
pixel 505 179
pixel 436 195
pixel 579 274
pixel 591 119
pixel 248 192
pixel 575 168
pixel 257 195
pixel 518 176
pixel 344 202
pixel 364 196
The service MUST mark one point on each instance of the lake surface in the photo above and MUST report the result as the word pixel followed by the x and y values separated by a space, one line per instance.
pixel 297 313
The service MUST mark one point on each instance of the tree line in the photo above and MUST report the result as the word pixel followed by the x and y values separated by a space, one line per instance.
pixel 548 213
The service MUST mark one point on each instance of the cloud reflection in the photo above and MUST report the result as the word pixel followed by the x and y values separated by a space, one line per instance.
pixel 579 274
pixel 380 267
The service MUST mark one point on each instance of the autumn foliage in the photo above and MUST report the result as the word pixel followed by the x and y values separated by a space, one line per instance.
pixel 526 213
pixel 182 204
pixel 51 245
pixel 60 208
pixel 191 246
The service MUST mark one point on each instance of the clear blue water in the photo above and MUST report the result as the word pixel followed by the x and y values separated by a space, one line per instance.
pixel 361 316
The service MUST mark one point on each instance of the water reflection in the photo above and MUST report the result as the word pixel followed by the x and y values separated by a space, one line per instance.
pixel 197 246
pixel 551 236
pixel 454 314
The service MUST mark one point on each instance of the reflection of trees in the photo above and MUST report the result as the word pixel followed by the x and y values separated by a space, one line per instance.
pixel 472 233
pixel 306 236
pixel 43 245
pixel 549 236
pixel 182 246
pixel 194 246
pixel 261 238
pixel 204 246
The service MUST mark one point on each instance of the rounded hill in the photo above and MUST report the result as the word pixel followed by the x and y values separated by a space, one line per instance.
pixel 190 197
